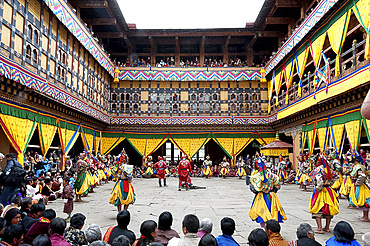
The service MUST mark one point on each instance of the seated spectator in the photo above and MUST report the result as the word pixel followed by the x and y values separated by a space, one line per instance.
pixel 148 230
pixel 208 240
pixel 258 237
pixel 272 229
pixel 93 233
pixel 165 232
pixel 13 235
pixel 26 204
pixel 13 216
pixel 102 243
pixel 306 236
pixel 343 235
pixel 16 203
pixel 33 216
pixel 205 227
pixel 190 227
pixel 227 228
pixel 123 219
pixel 2 226
pixel 41 240
pixel 41 226
pixel 365 239
pixel 57 227
pixel 73 234
pixel 121 241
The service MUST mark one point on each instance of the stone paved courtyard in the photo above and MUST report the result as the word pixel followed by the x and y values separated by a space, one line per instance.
pixel 222 197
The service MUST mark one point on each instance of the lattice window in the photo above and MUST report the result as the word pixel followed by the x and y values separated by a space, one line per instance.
pixel 114 97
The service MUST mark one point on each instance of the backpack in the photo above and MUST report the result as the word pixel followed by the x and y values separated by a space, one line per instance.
pixel 14 177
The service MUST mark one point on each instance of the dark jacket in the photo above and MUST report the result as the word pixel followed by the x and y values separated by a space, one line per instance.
pixel 306 241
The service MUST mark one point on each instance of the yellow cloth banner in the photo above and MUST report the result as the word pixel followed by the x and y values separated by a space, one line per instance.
pixel 302 60
pixel 311 140
pixel 46 136
pixel 363 9
pixel 317 46
pixel 227 145
pixel 97 142
pixel 321 132
pixel 189 145
pixel 89 139
pixel 278 80
pixel 21 130
pixel 288 75
pixel 108 144
pixel 353 129
pixel 66 137
pixel 338 134
pixel 153 144
pixel 304 139
pixel 139 144
pixel 336 34
pixel 240 144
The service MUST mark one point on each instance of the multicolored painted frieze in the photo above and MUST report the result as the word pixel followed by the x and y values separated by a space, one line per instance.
pixel 321 9
pixel 66 15
pixel 212 120
pixel 25 77
pixel 156 75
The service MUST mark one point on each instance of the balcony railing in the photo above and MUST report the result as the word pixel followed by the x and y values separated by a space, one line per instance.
pixel 350 60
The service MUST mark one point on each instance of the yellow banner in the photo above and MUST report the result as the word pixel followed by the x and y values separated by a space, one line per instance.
pixel 107 144
pixel 189 145
pixel 90 139
pixel 321 132
pixel 48 133
pixel 240 144
pixel 139 144
pixel 363 9
pixel 20 130
pixel 353 130
pixel 275 152
pixel 311 140
pixel 227 145
pixel 338 134
pixel 278 80
pixel 66 137
pixel 289 70
pixel 336 34
pixel 317 46
pixel 153 144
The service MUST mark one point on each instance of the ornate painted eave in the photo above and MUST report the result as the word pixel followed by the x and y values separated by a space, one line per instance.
pixel 68 17
pixel 189 74
pixel 321 9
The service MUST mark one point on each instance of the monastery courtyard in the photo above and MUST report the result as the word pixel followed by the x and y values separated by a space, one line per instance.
pixel 222 197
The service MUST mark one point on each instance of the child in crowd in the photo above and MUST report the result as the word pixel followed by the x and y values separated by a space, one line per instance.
pixel 68 198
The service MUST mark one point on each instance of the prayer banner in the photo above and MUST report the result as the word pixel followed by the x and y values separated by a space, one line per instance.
pixel 108 143
pixel 46 136
pixel 321 132
pixel 353 132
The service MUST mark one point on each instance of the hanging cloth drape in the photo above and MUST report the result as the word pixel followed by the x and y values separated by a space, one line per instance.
pixel 46 136
pixel 361 10
pixel 227 144
pixel 97 142
pixel 316 48
pixel 321 132
pixel 87 140
pixel 153 144
pixel 108 143
pixel 338 134
pixel 19 132
pixel 336 34
pixel 278 80
pixel 271 89
pixel 189 146
pixel 288 75
pixel 353 132
pixel 72 139
pixel 311 139
pixel 301 61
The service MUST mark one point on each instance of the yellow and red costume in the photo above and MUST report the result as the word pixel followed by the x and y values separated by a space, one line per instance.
pixel 160 167
pixel 184 170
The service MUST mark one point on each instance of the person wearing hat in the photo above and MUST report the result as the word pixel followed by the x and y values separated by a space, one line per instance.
pixel 184 170
pixel 240 165
pixel 149 165
pixel 160 167
pixel 8 193
pixel 225 167
pixel 207 164
pixel 359 195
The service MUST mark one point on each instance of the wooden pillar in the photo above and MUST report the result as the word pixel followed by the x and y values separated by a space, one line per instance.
pixel 225 50
pixel 152 51
pixel 201 55
pixel 177 52
pixel 249 56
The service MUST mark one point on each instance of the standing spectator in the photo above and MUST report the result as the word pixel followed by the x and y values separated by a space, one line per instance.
pixel 74 235
pixel 165 233
pixel 13 235
pixel 205 227
pixel 68 198
pixel 46 190
pixel 57 227
pixel 93 233
pixel 123 219
pixel 306 236
pixel 343 235
pixel 227 228
pixel 273 232
pixel 190 227
pixel 258 237
pixel 9 191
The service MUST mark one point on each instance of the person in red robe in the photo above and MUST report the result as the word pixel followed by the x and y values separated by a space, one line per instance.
pixel 161 166
pixel 184 170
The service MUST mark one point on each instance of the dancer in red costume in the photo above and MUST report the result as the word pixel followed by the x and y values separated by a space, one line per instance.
pixel 161 166
pixel 184 170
